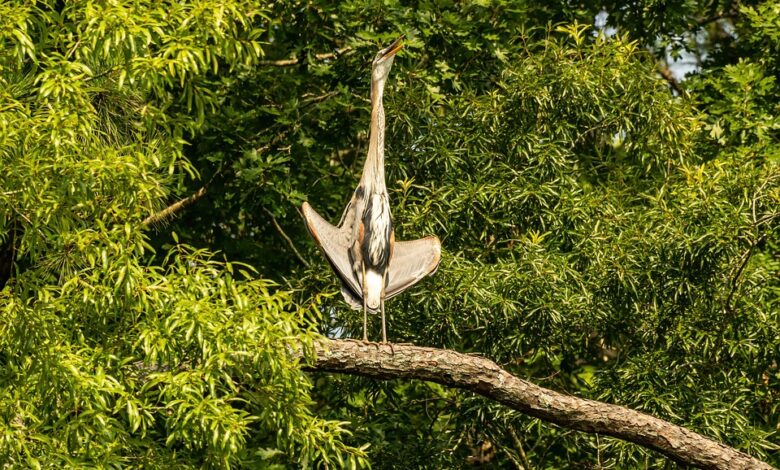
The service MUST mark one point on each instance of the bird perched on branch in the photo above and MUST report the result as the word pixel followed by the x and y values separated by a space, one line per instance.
pixel 362 249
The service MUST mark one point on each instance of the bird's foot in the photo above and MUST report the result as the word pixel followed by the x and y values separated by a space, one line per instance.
pixel 371 343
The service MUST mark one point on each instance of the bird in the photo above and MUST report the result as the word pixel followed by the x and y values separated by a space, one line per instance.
pixel 362 250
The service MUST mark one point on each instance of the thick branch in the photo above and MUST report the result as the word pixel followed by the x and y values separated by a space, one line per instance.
pixel 483 376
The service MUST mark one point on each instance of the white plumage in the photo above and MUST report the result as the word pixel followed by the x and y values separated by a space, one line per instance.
pixel 374 285
pixel 379 229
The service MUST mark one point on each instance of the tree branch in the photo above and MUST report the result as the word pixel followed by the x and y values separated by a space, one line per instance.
pixel 730 15
pixel 484 377
pixel 286 238
pixel 324 56
pixel 667 75
pixel 519 446
pixel 174 208
pixel 735 279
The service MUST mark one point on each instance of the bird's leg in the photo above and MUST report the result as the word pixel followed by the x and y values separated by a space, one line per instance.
pixel 384 331
pixel 365 311
pixel 382 309
pixel 365 322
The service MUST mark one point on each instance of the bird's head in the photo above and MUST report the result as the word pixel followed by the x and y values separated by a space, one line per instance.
pixel 383 61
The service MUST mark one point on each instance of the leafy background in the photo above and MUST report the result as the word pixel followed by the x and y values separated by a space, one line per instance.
pixel 606 232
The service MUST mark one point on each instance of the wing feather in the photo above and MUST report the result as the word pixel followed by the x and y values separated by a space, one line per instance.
pixel 334 242
pixel 411 261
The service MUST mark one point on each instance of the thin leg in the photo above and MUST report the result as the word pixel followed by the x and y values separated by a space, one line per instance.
pixel 365 310
pixel 365 322
pixel 384 330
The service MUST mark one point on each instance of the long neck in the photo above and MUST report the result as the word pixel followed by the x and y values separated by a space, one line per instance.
pixel 374 169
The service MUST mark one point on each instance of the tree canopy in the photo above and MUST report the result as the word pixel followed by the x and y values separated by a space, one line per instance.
pixel 609 229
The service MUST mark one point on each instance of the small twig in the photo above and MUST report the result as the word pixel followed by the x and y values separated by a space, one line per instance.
pixel 174 208
pixel 494 433
pixel 757 196
pixel 745 258
pixel 716 17
pixel 279 63
pixel 515 462
pixel 667 75
pixel 599 126
pixel 29 222
pixel 361 98
pixel 288 239
pixel 598 452
pixel 102 74
pixel 744 261
pixel 324 56
pixel 320 98
pixel 767 218
pixel 519 445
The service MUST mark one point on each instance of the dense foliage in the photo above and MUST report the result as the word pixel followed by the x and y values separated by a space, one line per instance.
pixel 603 234
pixel 109 358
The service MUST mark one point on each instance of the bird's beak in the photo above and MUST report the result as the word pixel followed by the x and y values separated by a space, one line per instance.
pixel 393 48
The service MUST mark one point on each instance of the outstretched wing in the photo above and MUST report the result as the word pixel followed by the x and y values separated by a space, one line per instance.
pixel 334 242
pixel 412 261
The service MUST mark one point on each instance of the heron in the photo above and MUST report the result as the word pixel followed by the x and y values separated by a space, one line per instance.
pixel 362 250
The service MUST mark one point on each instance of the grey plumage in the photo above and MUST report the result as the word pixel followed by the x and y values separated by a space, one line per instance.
pixel 362 249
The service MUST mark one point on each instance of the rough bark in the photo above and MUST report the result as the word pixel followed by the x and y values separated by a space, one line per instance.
pixel 485 377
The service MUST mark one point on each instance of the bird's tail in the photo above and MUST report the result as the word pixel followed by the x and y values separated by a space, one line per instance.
pixel 374 286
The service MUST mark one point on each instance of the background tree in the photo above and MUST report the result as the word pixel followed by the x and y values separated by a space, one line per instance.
pixel 604 235
pixel 110 356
